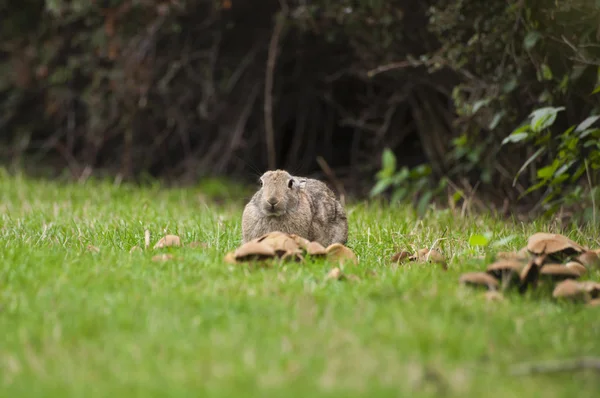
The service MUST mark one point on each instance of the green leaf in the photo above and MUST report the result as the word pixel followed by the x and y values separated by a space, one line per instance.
pixel 587 123
pixel 381 186
pixel 596 90
pixel 399 195
pixel 510 85
pixel 479 104
pixel 388 160
pixel 531 39
pixel 478 240
pixel 544 117
pixel 546 72
pixel 527 163
pixel 515 138
pixel 497 117
pixel 423 203
pixel 546 172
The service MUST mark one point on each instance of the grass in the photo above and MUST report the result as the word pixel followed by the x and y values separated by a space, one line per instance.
pixel 79 323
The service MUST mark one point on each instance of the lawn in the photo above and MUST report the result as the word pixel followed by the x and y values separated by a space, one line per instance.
pixel 80 322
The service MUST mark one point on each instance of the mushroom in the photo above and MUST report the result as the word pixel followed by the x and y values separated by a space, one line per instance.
pixel 505 269
pixel 577 267
pixel 168 240
pixel 400 257
pixel 337 251
pixel 569 289
pixel 280 242
pixel 315 249
pixel 253 251
pixel 558 272
pixel 545 243
pixel 590 259
pixel 479 279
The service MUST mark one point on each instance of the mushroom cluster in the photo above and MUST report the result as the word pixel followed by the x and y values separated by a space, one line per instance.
pixel 287 247
pixel 547 260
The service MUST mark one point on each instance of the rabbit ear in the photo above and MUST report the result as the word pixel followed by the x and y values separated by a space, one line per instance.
pixel 301 182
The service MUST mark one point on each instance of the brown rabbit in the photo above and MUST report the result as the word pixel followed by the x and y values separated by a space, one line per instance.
pixel 295 205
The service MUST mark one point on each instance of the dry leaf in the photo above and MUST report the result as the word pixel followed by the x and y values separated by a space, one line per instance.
pixel 146 239
pixel 479 279
pixel 341 253
pixel 93 248
pixel 167 241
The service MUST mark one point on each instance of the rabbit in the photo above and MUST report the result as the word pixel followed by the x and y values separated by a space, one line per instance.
pixel 295 205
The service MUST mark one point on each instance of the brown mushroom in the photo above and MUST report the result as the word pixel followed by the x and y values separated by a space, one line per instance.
pixel 577 267
pixel 168 240
pixel 530 273
pixel 230 258
pixel 302 242
pixel 253 251
pixel 545 243
pixel 315 249
pixel 281 243
pixel 570 289
pixel 505 268
pixel 479 279
pixel 590 259
pixel 558 272
pixel 341 253
pixel 400 257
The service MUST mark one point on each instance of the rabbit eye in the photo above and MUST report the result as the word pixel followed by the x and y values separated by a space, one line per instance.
pixel 290 183
pixel 261 182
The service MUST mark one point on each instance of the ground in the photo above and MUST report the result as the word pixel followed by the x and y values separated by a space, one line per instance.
pixel 76 322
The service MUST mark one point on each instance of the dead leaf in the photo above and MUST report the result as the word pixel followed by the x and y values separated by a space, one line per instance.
pixel 479 279
pixel 167 241
pixel 341 253
pixel 545 243
pixel 93 248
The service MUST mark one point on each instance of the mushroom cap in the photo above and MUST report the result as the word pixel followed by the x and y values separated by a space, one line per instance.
pixel 302 242
pixel 479 279
pixel 577 267
pixel 546 243
pixel 501 267
pixel 570 289
pixel 337 251
pixel 280 242
pixel 168 240
pixel 559 272
pixel 252 250
pixel 315 249
pixel 400 257
pixel 590 259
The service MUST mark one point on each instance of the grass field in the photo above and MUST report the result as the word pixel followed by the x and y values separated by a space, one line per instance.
pixel 75 322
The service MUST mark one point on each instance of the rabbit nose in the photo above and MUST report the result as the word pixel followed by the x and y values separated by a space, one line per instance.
pixel 272 201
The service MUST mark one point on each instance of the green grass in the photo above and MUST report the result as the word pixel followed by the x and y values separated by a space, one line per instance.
pixel 78 323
